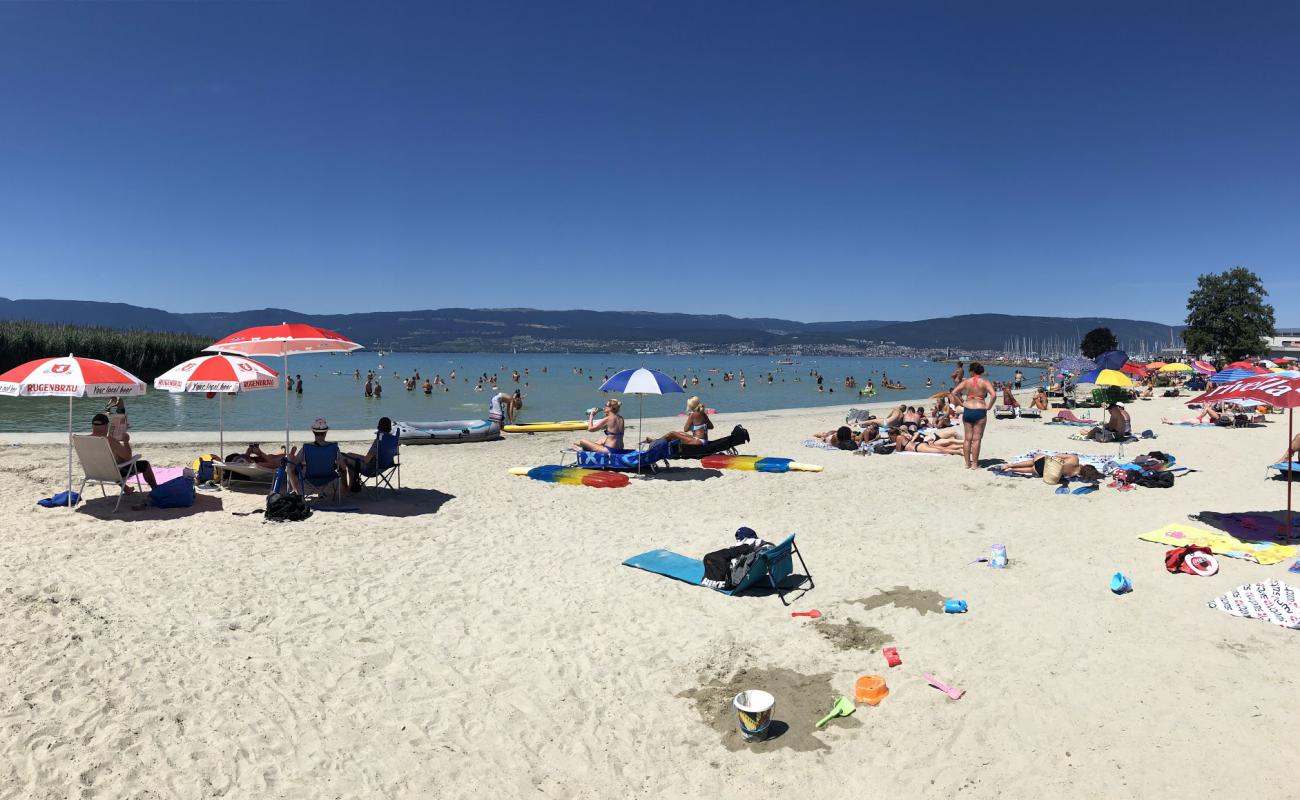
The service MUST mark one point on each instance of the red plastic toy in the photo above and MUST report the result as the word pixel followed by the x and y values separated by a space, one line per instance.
pixel 891 656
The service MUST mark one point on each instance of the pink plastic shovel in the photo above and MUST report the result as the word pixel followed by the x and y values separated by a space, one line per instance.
pixel 951 691
pixel 814 614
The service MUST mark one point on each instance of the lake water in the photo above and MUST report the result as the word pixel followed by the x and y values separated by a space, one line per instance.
pixel 559 392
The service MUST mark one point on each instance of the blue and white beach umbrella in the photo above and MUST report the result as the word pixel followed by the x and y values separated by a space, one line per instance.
pixel 1232 375
pixel 641 382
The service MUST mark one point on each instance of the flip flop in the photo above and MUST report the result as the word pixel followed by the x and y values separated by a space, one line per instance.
pixel 1085 489
pixel 1063 489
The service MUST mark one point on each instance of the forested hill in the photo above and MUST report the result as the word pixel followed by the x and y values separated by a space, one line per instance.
pixel 506 328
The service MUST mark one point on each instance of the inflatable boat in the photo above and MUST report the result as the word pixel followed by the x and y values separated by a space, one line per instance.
pixel 451 431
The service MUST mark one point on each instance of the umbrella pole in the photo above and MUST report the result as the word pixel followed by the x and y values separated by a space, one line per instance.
pixel 1290 473
pixel 286 405
pixel 640 428
pixel 221 428
pixel 70 452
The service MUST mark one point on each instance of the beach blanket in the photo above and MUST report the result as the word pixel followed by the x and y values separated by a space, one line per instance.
pixel 160 474
pixel 1086 424
pixel 1270 601
pixel 1221 543
pixel 1192 424
pixel 1283 467
pixel 818 444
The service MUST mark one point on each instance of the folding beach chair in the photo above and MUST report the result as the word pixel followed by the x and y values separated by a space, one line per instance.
pixel 319 469
pixel 243 473
pixel 388 462
pixel 1004 412
pixel 100 466
pixel 770 570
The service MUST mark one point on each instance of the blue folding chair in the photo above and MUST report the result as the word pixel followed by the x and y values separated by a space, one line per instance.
pixel 387 465
pixel 773 567
pixel 319 469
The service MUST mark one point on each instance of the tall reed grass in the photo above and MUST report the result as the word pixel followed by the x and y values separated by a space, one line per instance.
pixel 146 354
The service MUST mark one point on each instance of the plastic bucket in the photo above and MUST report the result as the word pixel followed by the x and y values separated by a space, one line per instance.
pixel 753 713
pixel 870 689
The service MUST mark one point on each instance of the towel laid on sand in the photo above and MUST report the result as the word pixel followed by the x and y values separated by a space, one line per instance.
pixel 1271 601
pixel 1220 543
pixel 160 474
pixel 1100 462
pixel 1084 424
pixel 1192 424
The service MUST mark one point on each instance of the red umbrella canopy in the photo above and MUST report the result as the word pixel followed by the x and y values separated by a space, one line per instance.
pixel 1268 388
pixel 285 339
pixel 1246 365
pixel 1134 369
pixel 218 373
pixel 69 376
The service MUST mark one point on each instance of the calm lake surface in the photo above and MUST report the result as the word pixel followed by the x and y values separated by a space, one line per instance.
pixel 559 392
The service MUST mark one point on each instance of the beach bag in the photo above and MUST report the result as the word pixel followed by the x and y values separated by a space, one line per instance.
pixel 286 507
pixel 1052 468
pixel 175 493
pixel 1102 435
pixel 205 470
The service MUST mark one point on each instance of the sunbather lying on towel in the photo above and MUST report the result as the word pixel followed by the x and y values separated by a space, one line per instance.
pixel 905 442
pixel 842 437
pixel 1208 416
pixel 1070 469
pixel 1066 415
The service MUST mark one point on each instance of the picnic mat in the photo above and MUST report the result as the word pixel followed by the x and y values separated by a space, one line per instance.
pixel 1261 552
pixel 1270 601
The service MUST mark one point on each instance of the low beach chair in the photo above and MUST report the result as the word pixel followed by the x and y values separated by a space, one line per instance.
pixel 100 467
pixel 243 473
pixel 1029 412
pixel 319 469
pixel 770 570
pixel 1004 412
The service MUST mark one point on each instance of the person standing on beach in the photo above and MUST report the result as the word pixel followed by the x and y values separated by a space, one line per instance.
pixel 979 395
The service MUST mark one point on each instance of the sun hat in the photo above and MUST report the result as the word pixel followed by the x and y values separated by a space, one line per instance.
pixel 320 425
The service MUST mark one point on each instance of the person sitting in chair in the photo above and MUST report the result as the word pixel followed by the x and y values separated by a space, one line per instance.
pixel 378 458
pixel 121 447
pixel 319 430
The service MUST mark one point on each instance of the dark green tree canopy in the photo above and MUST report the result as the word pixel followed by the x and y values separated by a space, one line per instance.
pixel 1098 341
pixel 1227 316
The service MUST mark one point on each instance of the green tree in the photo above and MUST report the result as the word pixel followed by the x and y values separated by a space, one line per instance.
pixel 1227 315
pixel 1098 341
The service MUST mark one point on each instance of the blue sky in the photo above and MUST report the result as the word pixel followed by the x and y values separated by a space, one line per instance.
pixel 811 161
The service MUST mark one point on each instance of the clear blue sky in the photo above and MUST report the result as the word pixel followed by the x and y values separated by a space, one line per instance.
pixel 803 160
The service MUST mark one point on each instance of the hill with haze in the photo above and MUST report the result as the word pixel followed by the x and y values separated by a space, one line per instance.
pixel 524 328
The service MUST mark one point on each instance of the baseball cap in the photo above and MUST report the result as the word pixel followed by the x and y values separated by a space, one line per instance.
pixel 320 425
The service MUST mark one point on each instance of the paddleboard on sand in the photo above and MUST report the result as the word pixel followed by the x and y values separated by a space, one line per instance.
pixel 543 427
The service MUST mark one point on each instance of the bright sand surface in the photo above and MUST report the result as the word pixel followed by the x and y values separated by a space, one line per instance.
pixel 476 635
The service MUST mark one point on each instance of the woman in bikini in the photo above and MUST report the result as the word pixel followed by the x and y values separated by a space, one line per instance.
pixel 907 442
pixel 612 424
pixel 1040 400
pixel 697 427
pixel 1071 467
pixel 979 395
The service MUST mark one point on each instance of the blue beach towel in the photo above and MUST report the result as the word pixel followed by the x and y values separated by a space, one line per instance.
pixel 774 564
pixel 59 500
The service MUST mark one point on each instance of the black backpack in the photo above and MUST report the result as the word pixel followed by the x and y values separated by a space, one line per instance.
pixel 286 507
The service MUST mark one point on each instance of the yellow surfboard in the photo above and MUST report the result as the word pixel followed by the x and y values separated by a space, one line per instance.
pixel 543 427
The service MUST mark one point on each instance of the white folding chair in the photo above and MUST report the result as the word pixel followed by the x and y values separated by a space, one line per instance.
pixel 101 467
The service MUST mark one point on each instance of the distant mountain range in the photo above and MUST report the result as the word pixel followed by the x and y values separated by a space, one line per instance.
pixel 460 329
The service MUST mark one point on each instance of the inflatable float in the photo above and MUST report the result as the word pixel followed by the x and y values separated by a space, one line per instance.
pixel 451 431
pixel 573 476
pixel 757 464
pixel 544 427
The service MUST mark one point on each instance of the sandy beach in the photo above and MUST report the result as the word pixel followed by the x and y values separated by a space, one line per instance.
pixel 475 635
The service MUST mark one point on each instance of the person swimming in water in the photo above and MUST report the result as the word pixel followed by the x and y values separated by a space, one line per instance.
pixel 978 396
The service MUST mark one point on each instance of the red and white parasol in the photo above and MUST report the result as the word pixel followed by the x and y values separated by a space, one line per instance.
pixel 218 374
pixel 1271 389
pixel 69 377
pixel 284 340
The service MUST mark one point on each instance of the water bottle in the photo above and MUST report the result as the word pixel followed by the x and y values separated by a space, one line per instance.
pixel 999 558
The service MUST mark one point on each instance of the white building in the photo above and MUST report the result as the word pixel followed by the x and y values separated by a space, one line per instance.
pixel 1284 342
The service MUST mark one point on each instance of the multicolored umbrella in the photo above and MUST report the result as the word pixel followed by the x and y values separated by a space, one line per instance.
pixel 69 377
pixel 1106 377
pixel 1204 367
pixel 1232 375
pixel 219 374
pixel 284 340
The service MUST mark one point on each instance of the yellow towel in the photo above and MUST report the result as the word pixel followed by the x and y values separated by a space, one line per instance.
pixel 1178 534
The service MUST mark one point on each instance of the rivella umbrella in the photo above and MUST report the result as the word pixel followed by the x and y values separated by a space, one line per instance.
pixel 218 374
pixel 641 382
pixel 1275 390
pixel 69 377
pixel 284 340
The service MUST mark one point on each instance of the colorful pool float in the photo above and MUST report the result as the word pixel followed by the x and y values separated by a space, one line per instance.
pixel 573 476
pixel 757 464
